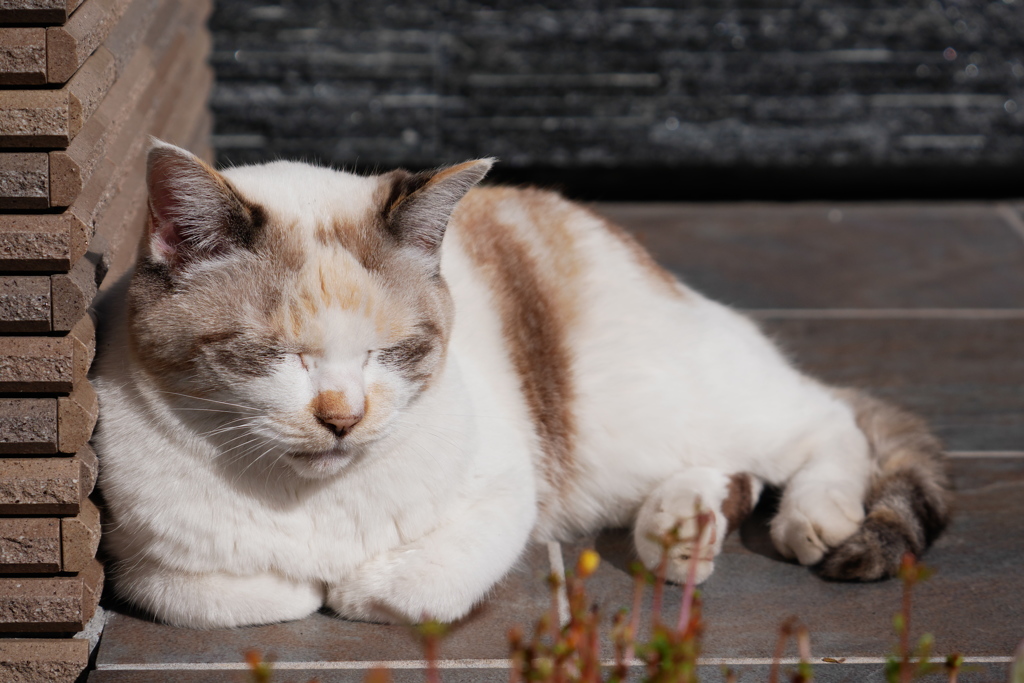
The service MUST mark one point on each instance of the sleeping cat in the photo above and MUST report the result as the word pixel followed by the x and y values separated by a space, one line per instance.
pixel 371 393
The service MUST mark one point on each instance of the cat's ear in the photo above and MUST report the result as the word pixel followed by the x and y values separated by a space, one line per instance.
pixel 421 203
pixel 194 212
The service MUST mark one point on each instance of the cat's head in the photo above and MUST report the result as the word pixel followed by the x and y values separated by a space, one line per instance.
pixel 293 311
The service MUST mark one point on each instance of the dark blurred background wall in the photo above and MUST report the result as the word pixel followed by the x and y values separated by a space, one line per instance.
pixel 634 99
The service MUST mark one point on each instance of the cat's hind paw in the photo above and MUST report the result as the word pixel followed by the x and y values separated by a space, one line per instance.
pixel 812 521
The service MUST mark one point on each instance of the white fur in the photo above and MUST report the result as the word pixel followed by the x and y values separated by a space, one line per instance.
pixel 673 392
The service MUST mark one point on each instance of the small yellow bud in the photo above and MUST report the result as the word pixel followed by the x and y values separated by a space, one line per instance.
pixel 587 564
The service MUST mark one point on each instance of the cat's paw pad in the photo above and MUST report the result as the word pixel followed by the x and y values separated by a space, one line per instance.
pixel 679 514
pixel 810 523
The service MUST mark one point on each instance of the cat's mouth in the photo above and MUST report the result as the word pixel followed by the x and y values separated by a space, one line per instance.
pixel 326 456
pixel 320 463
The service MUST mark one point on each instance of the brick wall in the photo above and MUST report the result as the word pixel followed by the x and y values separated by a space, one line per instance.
pixel 83 83
pixel 589 84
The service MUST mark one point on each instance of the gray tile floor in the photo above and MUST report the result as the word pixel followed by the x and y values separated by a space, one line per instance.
pixel 920 303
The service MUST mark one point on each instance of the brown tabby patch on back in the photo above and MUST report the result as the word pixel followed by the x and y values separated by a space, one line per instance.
pixel 534 316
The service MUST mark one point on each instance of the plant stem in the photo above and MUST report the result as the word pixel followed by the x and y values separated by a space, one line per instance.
pixel 906 672
pixel 691 576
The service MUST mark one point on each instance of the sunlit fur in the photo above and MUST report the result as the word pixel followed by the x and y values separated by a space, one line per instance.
pixel 309 398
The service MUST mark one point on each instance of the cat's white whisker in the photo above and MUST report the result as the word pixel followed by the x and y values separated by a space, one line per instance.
pixel 224 446
pixel 254 461
pixel 210 400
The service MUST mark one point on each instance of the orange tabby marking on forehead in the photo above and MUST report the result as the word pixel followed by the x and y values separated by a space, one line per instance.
pixel 534 317
pixel 363 239
pixel 336 280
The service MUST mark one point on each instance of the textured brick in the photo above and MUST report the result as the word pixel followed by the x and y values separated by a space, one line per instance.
pixel 119 117
pixel 22 56
pixel 63 604
pixel 80 538
pixel 106 181
pixel 88 87
pixel 28 425
pixel 83 337
pixel 68 46
pixel 24 303
pixel 47 486
pixel 65 174
pixel 90 468
pixel 179 120
pixel 134 57
pixel 72 168
pixel 37 364
pixel 34 118
pixel 40 486
pixel 183 52
pixel 24 180
pixel 141 24
pixel 177 114
pixel 125 221
pixel 73 292
pixel 36 11
pixel 183 109
pixel 76 417
pixel 52 118
pixel 38 303
pixel 51 242
pixel 31 545
pixel 29 660
pixel 111 178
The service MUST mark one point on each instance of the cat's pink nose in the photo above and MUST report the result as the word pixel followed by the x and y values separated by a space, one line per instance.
pixel 341 424
pixel 333 410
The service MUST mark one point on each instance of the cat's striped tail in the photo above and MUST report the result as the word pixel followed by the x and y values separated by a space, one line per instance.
pixel 909 498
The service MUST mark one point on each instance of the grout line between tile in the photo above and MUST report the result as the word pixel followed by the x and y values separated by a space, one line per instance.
pixel 985 454
pixel 887 313
pixel 286 666
pixel 486 664
pixel 845 660
pixel 558 569
pixel 1012 217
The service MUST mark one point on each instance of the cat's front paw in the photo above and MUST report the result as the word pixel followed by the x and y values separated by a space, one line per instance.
pixel 681 510
pixel 811 521
pixel 400 589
